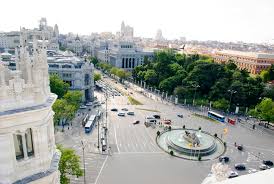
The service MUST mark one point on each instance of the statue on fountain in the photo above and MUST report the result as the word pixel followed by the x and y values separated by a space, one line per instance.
pixel 192 138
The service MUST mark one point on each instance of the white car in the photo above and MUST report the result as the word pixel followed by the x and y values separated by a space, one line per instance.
pixel 252 171
pixel 83 107
pixel 264 167
pixel 121 114
pixel 233 174
pixel 89 104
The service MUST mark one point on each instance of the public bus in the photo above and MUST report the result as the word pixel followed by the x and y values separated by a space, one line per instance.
pixel 85 120
pixel 90 124
pixel 216 116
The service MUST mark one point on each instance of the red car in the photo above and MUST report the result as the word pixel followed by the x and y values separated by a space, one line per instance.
pixel 167 121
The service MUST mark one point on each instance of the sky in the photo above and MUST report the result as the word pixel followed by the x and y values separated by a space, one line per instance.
pixel 221 20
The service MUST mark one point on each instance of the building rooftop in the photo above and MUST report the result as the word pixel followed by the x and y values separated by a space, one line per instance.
pixel 248 54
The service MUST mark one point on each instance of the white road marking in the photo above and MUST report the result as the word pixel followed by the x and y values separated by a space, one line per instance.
pixel 115 135
pixel 101 169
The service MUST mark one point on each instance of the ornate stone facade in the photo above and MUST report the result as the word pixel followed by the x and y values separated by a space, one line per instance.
pixel 28 153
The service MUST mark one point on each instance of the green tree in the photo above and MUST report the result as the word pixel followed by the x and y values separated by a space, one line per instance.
pixel 97 76
pixel 170 83
pixel 268 92
pixel 265 75
pixel 183 92
pixel 151 77
pixel 69 164
pixel 264 110
pixel 94 60
pixel 122 74
pixel 58 86
pixel 114 70
pixel 63 111
pixel 73 98
pixel 221 104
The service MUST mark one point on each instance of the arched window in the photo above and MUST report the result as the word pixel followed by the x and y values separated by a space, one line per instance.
pixel 18 145
pixel 29 143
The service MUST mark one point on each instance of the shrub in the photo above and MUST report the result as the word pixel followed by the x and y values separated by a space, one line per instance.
pixel 158 133
pixel 184 126
pixel 171 153
pixel 215 135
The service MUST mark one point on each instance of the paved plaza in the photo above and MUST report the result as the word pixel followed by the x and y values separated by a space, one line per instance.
pixel 135 157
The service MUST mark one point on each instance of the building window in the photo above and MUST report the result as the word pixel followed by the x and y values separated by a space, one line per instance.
pixel 87 79
pixel 53 66
pixel 68 75
pixel 18 145
pixel 66 66
pixel 29 143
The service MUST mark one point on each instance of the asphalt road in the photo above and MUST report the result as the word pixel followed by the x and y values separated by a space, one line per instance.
pixel 135 157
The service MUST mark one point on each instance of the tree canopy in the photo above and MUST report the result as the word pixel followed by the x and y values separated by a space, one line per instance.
pixel 69 164
pixel 58 86
pixel 97 76
pixel 264 110
pixel 182 75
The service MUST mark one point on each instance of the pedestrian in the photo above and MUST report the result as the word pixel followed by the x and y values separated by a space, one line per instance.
pixel 68 127
pixel 235 144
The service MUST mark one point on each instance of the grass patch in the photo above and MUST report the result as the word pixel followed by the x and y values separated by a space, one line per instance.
pixel 205 117
pixel 151 110
pixel 133 101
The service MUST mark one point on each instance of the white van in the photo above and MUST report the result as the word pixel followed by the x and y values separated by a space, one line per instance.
pixel 150 120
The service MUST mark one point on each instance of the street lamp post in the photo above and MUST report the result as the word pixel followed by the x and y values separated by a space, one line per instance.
pixel 84 162
pixel 231 93
pixel 195 86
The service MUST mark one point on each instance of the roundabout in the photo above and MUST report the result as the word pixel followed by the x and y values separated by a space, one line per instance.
pixel 191 144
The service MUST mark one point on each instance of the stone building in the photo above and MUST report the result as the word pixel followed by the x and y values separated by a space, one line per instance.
pixel 75 71
pixel 28 152
pixel 124 54
pixel 250 61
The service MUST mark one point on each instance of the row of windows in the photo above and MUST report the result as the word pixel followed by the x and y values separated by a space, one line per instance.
pixel 68 75
pixel 126 46
pixel 57 66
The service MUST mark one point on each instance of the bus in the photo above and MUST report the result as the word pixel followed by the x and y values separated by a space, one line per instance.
pixel 216 116
pixel 90 124
pixel 85 120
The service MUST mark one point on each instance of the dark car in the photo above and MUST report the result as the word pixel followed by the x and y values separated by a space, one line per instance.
pixel 157 116
pixel 240 147
pixel 124 109
pixel 268 163
pixel 224 159
pixel 180 115
pixel 114 109
pixel 240 167
pixel 136 122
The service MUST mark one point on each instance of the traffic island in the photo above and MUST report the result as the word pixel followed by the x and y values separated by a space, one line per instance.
pixel 191 144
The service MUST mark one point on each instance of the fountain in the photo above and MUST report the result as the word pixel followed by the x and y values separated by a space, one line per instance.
pixel 191 144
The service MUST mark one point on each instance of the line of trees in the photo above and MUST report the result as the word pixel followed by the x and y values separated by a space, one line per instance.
pixel 68 102
pixel 119 72
pixel 184 75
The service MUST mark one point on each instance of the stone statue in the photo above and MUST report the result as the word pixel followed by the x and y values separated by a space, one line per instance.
pixel 192 138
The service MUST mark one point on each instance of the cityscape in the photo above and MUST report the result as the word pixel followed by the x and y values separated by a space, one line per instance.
pixel 125 104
